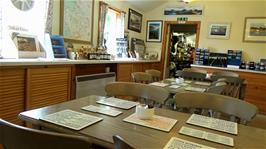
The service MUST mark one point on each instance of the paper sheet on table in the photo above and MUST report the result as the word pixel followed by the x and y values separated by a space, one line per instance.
pixel 102 110
pixel 177 143
pixel 116 102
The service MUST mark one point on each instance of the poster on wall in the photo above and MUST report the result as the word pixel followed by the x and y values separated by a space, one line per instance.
pixel 22 23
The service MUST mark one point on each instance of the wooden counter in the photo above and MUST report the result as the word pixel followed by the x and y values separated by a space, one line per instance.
pixel 256 84
pixel 29 84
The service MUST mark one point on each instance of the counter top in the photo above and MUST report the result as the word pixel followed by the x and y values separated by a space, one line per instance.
pixel 231 69
pixel 23 62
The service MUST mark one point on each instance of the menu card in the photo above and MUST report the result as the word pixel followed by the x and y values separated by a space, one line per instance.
pixel 71 119
pixel 119 103
pixel 157 122
pixel 195 89
pixel 207 136
pixel 177 143
pixel 102 110
pixel 160 84
pixel 213 123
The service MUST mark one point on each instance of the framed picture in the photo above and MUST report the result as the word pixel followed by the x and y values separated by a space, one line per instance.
pixel 219 30
pixel 154 31
pixel 25 42
pixel 72 12
pixel 134 20
pixel 184 10
pixel 255 29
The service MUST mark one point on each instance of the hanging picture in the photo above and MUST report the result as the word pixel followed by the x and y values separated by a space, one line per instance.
pixel 184 10
pixel 219 30
pixel 154 31
pixel 255 29
pixel 134 20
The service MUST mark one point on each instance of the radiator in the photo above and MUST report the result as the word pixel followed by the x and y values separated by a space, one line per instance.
pixel 93 84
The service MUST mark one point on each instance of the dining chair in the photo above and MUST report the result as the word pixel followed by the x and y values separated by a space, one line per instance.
pixel 148 93
pixel 191 75
pixel 217 87
pixel 235 86
pixel 156 74
pixel 141 77
pixel 195 70
pixel 226 107
pixel 17 137
pixel 225 73
pixel 120 143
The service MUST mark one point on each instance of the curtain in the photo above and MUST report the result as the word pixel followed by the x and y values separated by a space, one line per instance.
pixel 122 25
pixel 103 12
pixel 49 17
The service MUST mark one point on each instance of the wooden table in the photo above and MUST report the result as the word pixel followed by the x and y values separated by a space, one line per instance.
pixel 141 137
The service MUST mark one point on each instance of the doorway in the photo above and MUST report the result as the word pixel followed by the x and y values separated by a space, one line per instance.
pixel 179 43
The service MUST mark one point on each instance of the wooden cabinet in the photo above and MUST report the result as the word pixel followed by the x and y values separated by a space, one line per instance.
pixel 47 86
pixel 255 92
pixel 12 89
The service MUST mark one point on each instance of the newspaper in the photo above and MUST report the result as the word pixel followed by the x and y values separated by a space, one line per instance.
pixel 71 119
pixel 207 136
pixel 177 143
pixel 119 103
pixel 213 123
pixel 102 110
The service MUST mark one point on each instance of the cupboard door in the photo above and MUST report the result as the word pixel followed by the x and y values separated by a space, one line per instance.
pixel 137 67
pixel 47 86
pixel 124 72
pixel 12 94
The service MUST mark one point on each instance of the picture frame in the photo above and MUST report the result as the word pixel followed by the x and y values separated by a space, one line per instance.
pixel 154 31
pixel 25 42
pixel 71 12
pixel 134 20
pixel 219 30
pixel 254 29
pixel 184 10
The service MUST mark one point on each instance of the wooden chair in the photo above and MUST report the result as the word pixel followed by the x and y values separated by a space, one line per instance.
pixel 141 91
pixel 120 143
pixel 225 74
pixel 235 86
pixel 156 74
pixel 230 108
pixel 17 137
pixel 217 87
pixel 191 75
pixel 141 77
pixel 195 70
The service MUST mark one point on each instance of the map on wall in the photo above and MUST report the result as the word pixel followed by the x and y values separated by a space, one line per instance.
pixel 77 20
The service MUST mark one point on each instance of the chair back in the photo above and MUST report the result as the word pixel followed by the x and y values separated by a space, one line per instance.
pixel 120 143
pixel 225 74
pixel 17 137
pixel 141 77
pixel 156 74
pixel 217 88
pixel 237 110
pixel 195 70
pixel 142 91
pixel 191 75
pixel 235 86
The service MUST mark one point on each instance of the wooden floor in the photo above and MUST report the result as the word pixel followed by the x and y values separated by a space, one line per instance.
pixel 259 121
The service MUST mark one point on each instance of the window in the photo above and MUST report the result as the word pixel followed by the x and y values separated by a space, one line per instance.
pixel 114 28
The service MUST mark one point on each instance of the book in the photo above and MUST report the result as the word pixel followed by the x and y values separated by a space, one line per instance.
pixel 157 122
pixel 177 143
pixel 207 136
pixel 71 119
pixel 213 123
pixel 102 110
pixel 116 102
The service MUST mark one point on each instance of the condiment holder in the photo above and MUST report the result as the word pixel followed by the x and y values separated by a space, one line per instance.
pixel 144 111
pixel 179 80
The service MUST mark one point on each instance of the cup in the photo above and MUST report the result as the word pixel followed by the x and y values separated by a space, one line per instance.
pixel 107 69
pixel 143 112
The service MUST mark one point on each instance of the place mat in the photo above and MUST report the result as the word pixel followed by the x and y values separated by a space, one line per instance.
pixel 174 86
pixel 160 84
pixel 203 83
pixel 213 123
pixel 157 122
pixel 102 110
pixel 195 89
pixel 71 119
pixel 116 102
pixel 177 143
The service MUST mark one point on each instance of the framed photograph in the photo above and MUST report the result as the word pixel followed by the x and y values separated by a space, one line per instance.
pixel 219 30
pixel 184 10
pixel 134 20
pixel 25 42
pixel 72 12
pixel 255 29
pixel 154 31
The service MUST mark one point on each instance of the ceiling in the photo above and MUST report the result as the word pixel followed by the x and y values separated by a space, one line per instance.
pixel 145 5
